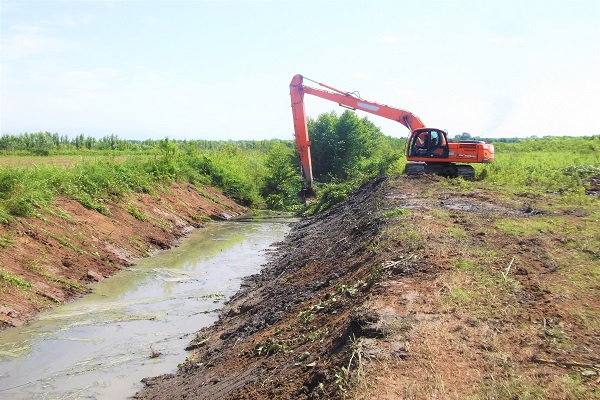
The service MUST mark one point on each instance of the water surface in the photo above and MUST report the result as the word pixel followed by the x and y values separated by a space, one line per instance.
pixel 137 323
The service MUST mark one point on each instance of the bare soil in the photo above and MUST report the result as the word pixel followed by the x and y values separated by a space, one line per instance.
pixel 59 251
pixel 410 289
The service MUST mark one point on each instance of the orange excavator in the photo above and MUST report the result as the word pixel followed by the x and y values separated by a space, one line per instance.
pixel 428 150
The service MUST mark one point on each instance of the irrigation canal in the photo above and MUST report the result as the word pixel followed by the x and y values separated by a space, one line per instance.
pixel 137 323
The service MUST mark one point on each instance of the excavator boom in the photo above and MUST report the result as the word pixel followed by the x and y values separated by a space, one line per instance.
pixel 349 100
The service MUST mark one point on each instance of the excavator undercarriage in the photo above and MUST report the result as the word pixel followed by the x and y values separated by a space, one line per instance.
pixel 444 169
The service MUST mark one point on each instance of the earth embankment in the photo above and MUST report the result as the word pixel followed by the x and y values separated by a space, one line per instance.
pixel 412 288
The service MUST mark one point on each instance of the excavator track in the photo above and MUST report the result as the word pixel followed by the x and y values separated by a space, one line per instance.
pixel 466 171
pixel 414 169
pixel 444 169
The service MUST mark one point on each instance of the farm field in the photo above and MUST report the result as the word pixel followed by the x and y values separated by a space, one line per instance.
pixel 59 161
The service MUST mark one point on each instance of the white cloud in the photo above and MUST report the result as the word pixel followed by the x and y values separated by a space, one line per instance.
pixel 29 40
pixel 393 39
pixel 87 80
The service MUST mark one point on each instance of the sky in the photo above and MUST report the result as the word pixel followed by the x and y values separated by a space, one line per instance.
pixel 220 70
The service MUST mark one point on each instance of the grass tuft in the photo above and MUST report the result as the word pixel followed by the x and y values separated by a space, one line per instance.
pixel 13 280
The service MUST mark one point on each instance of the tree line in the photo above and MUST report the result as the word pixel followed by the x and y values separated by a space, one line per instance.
pixel 47 143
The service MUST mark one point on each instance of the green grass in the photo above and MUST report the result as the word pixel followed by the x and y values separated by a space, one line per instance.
pixel 13 280
pixel 464 264
pixel 7 240
pixel 64 241
pixel 137 214
pixel 527 226
pixel 95 184
pixel 113 168
pixel 515 387
pixel 395 212
pixel 556 164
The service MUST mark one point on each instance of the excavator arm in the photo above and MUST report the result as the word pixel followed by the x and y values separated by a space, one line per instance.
pixel 344 99
pixel 301 134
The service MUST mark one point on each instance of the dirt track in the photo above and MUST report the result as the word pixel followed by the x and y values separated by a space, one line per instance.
pixel 410 289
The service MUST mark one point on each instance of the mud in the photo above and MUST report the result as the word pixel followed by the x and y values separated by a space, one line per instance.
pixel 351 305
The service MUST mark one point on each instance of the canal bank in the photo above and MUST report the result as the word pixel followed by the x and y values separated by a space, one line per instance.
pixel 52 258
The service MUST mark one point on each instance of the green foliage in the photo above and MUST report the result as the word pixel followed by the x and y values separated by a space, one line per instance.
pixel 137 214
pixel 395 212
pixel 63 241
pixel 464 264
pixel 329 194
pixel 268 347
pixel 582 171
pixel 345 146
pixel 552 164
pixel 463 136
pixel 282 181
pixel 347 151
pixel 7 240
pixel 115 170
pixel 93 184
pixel 238 173
pixel 23 190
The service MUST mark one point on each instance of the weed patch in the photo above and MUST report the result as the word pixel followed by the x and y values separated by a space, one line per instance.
pixel 7 240
pixel 64 241
pixel 10 279
pixel 395 212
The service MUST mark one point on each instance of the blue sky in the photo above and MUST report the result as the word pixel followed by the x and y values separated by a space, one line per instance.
pixel 221 69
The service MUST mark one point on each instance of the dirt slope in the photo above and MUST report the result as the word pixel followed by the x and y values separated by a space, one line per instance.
pixel 50 258
pixel 411 289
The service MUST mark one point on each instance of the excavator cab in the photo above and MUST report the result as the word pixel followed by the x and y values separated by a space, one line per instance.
pixel 429 151
pixel 428 143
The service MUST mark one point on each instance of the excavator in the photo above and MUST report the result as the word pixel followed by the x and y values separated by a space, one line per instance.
pixel 428 150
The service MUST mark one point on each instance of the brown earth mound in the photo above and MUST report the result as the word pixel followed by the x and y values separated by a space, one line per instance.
pixel 48 259
pixel 409 289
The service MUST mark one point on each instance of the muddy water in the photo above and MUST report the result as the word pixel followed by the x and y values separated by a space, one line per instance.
pixel 137 323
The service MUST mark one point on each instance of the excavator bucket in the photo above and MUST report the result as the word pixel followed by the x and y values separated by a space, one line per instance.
pixel 305 194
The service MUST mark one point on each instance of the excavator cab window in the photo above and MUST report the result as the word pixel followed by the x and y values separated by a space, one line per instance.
pixel 429 143
pixel 438 146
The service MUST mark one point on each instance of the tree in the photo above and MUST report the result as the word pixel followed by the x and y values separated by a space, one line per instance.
pixel 339 145
pixel 282 181
pixel 463 136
